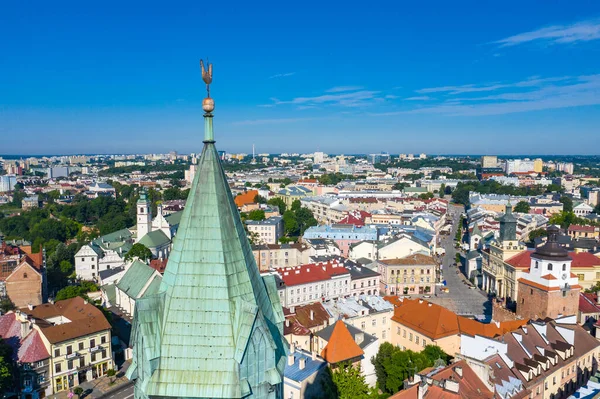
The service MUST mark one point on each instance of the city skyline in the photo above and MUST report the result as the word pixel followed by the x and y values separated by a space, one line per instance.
pixel 89 80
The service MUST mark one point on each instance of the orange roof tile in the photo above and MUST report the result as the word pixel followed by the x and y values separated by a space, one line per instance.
pixel 341 345
pixel 245 198
pixel 434 321
pixel 549 277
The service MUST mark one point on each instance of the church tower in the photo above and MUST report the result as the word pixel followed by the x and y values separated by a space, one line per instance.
pixel 214 329
pixel 549 289
pixel 144 216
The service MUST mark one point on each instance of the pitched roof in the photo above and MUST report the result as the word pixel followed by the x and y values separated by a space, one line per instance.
pixel 155 239
pixel 84 319
pixel 577 227
pixel 135 278
pixel 212 303
pixel 312 272
pixel 588 303
pixel 26 349
pixel 579 259
pixel 341 345
pixel 415 259
pixel 246 198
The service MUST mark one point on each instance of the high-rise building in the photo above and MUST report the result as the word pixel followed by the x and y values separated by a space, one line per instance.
pixel 489 161
pixel 538 165
pixel 379 158
pixel 318 157
pixel 519 166
pixel 7 183
pixel 215 327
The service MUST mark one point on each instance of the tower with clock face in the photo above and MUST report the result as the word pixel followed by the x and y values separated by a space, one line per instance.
pixel 548 289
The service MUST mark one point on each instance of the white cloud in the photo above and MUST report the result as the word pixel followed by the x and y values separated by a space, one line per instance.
pixel 418 98
pixel 271 121
pixel 579 32
pixel 472 88
pixel 533 94
pixel 344 99
pixel 339 89
pixel 282 75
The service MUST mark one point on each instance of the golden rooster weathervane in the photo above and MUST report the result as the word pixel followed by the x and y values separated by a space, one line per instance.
pixel 206 75
pixel 208 104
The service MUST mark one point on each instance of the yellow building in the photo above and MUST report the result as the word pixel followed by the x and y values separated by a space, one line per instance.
pixel 78 338
pixel 538 165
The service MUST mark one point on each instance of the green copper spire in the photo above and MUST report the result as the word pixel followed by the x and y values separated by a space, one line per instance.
pixel 215 328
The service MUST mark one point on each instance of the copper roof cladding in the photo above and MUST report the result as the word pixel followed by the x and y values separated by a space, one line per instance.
pixel 85 319
pixel 552 250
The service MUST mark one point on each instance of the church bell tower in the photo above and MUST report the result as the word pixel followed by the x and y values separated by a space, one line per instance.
pixel 144 216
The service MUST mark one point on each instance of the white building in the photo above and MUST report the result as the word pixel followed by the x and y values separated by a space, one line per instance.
pixel 269 230
pixel 7 183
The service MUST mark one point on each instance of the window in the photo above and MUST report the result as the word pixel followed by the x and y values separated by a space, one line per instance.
pixel 580 277
pixel 417 339
pixel 410 337
pixel 424 343
pixel 59 384
pixel 69 350
pixel 104 354
pixel 92 343
pixel 363 325
pixel 536 264
pixel 383 320
pixel 564 267
pixel 70 365
pixel 40 364
pixel 554 380
pixel 531 291
pixel 24 275
pixel 81 346
pixel 549 266
pixel 546 385
pixel 404 334
pixel 57 367
pixel 383 334
pixel 398 331
pixel 93 356
pixel 83 259
pixel 57 352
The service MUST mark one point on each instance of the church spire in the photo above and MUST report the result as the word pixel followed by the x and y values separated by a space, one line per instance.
pixel 215 328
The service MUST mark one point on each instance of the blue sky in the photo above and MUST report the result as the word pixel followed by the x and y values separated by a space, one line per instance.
pixel 342 77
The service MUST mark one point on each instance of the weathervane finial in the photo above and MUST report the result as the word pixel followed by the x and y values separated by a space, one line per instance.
pixel 206 75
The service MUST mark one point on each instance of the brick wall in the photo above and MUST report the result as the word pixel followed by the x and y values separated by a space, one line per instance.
pixel 501 314
pixel 536 303
pixel 24 286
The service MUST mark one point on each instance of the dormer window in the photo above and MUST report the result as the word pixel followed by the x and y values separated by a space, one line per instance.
pixel 549 266
pixel 564 267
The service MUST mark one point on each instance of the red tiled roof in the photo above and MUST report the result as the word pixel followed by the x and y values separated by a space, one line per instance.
pixel 587 303
pixel 580 259
pixel 311 273
pixel 159 265
pixel 577 227
pixel 29 349
pixel 355 218
pixel 245 198
pixel 549 277
pixel 32 348
pixel 341 346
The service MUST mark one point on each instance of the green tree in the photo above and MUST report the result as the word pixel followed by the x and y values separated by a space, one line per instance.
pixel 278 202
pixel 442 190
pixel 296 205
pixel 78 391
pixel 597 209
pixel 140 251
pixel 304 219
pixel 522 207
pixel 6 367
pixel 290 224
pixel 111 374
pixel 76 290
pixel 256 214
pixel 6 305
pixel 426 196
pixel 567 203
pixel 259 199
pixel 537 233
pixel 350 383
pixel 399 186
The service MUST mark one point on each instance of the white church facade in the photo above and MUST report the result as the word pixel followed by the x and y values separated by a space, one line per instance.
pixel 108 251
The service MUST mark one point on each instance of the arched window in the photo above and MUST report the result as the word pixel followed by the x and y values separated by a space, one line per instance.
pixel 549 266
pixel 536 264
pixel 564 267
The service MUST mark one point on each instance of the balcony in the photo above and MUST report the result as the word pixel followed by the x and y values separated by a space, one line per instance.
pixel 72 355
pixel 95 349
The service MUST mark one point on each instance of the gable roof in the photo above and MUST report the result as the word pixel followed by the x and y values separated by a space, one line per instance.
pixel 26 349
pixel 415 259
pixel 245 198
pixel 154 239
pixel 135 279
pixel 84 319
pixel 341 345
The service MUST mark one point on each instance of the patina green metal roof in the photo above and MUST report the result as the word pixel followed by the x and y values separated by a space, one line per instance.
pixel 215 328
pixel 135 279
pixel 154 239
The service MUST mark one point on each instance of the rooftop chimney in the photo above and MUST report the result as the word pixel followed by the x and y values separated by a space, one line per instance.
pixel 313 355
pixel 291 359
pixel 422 390
pixel 29 306
pixel 292 309
pixel 302 363
pixel 312 314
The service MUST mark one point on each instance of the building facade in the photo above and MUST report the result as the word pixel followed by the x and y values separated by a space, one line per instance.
pixel 413 274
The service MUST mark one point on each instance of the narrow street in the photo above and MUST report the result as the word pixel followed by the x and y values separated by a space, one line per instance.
pixel 460 299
